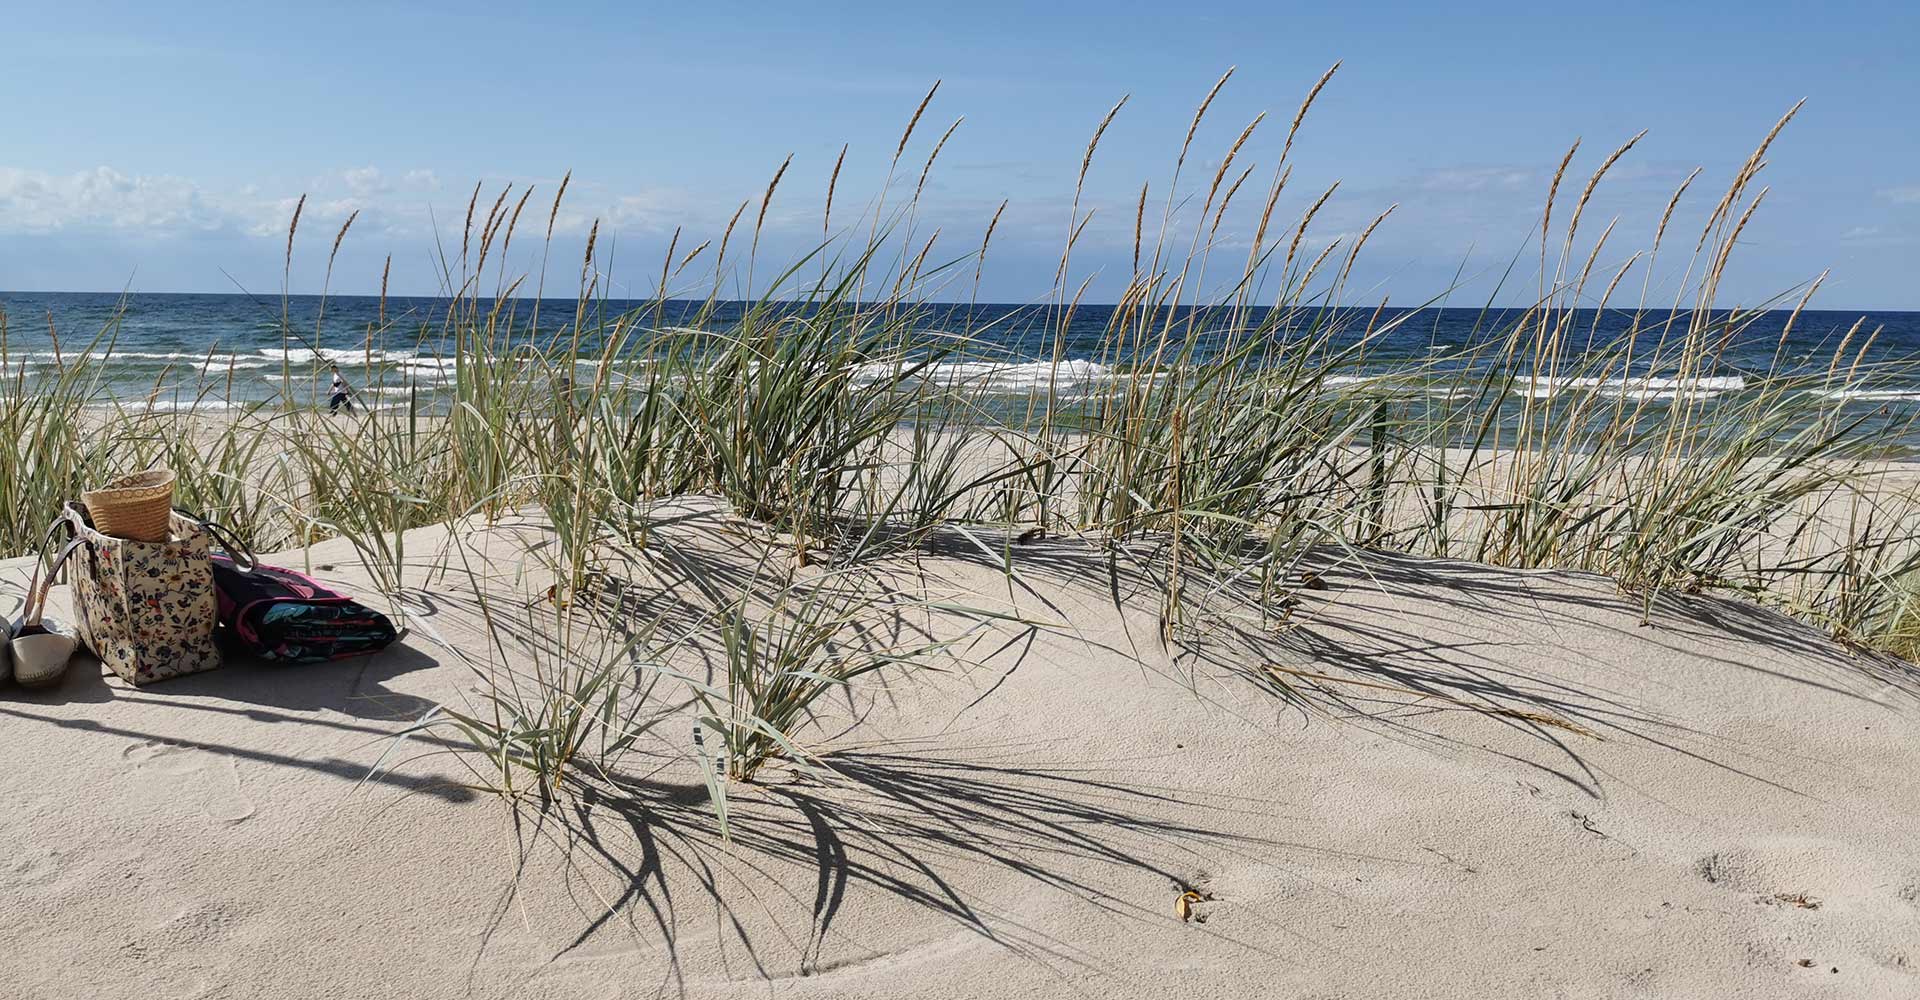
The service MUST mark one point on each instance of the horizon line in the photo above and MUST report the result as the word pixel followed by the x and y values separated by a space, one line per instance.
pixel 441 297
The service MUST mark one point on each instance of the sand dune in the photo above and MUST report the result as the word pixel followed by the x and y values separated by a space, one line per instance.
pixel 1719 802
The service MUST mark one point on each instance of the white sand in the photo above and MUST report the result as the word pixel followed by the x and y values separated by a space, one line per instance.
pixel 1021 828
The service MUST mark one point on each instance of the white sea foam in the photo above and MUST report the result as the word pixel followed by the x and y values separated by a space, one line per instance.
pixel 1006 377
pixel 337 355
pixel 71 357
pixel 188 405
pixel 1867 395
pixel 1352 381
pixel 198 406
pixel 432 363
pixel 1637 387
pixel 218 365
pixel 1387 383
pixel 213 361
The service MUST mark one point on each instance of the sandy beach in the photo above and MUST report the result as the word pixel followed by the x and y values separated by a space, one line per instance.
pixel 1719 802
pixel 1218 525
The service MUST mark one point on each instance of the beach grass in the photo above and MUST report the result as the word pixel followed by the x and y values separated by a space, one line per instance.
pixel 1240 423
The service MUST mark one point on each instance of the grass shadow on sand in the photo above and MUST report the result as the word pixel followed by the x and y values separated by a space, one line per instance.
pixel 1400 640
pixel 1409 645
pixel 306 695
pixel 895 824
pixel 352 771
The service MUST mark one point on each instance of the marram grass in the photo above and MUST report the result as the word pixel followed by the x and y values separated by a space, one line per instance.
pixel 1246 423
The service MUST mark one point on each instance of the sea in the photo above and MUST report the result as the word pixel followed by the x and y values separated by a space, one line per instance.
pixel 207 352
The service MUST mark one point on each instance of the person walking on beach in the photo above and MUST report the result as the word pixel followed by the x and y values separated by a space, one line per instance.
pixel 340 395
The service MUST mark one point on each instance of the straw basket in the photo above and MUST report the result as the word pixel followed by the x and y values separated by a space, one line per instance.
pixel 133 506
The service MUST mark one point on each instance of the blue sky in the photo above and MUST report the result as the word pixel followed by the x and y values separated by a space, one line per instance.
pixel 154 146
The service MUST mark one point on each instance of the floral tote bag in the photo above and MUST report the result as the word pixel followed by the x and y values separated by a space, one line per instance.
pixel 146 609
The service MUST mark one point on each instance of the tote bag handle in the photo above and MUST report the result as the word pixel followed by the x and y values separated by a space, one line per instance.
pixel 223 536
pixel 45 573
pixel 43 576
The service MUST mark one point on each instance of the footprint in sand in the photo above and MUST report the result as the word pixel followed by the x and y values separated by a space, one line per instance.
pixel 1852 898
pixel 188 929
pixel 210 777
pixel 56 871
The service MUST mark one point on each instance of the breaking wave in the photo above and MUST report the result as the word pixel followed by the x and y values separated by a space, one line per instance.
pixel 1638 387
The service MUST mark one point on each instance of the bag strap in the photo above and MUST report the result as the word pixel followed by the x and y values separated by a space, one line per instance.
pixel 63 520
pixel 74 516
pixel 242 556
pixel 36 602
pixel 60 521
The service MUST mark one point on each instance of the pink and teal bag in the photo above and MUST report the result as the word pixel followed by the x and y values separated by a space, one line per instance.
pixel 282 616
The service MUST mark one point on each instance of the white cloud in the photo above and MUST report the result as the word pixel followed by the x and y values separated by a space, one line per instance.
pixel 1878 236
pixel 1905 195
pixel 102 198
pixel 647 210
pixel 364 180
pixel 1474 179
pixel 394 206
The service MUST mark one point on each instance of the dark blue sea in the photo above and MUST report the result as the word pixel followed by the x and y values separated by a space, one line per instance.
pixel 209 351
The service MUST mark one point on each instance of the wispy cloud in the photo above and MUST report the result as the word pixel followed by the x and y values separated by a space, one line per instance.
pixel 1878 236
pixel 1464 179
pixel 394 205
pixel 103 198
pixel 366 181
pixel 1906 194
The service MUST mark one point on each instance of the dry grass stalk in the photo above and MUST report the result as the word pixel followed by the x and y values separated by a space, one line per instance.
pixel 558 196
pixel 691 254
pixel 1300 231
pixel 293 227
pixel 513 224
pixel 1139 222
pixel 1746 174
pixel 921 185
pixel 586 259
pixel 466 228
pixel 980 262
pixel 915 120
pixel 833 181
pixel 725 236
pixel 1305 105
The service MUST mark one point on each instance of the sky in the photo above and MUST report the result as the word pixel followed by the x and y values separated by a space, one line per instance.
pixel 161 147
